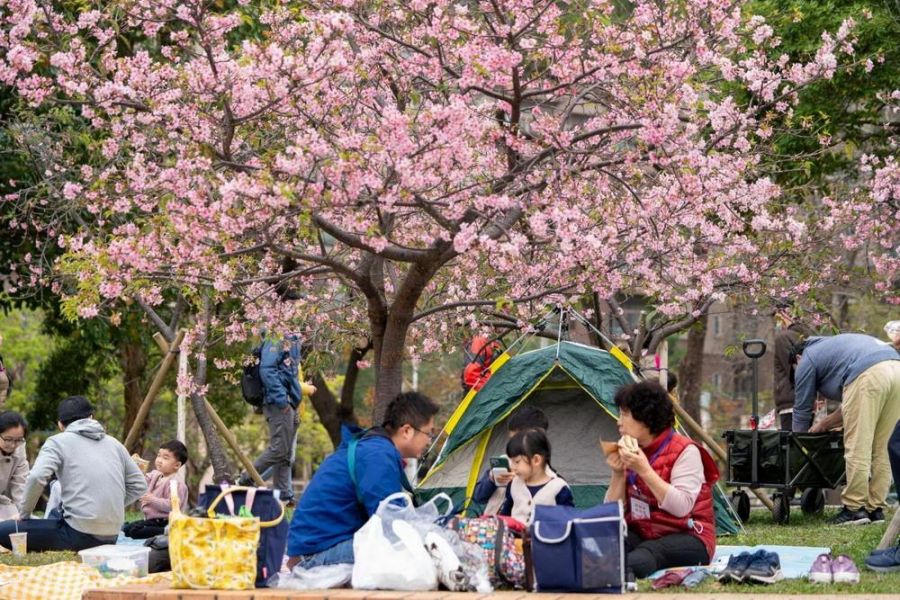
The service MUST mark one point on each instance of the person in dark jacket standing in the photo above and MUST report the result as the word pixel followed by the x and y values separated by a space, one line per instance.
pixel 863 373
pixel 279 367
pixel 787 339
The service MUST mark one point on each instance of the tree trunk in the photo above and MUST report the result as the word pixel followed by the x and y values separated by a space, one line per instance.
pixel 389 327
pixel 388 369
pixel 690 371
pixel 346 411
pixel 333 412
pixel 326 406
pixel 133 362
pixel 222 468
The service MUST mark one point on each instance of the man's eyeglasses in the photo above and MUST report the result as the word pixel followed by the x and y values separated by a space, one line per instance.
pixel 14 441
pixel 431 436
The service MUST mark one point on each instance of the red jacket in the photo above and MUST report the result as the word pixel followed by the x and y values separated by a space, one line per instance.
pixel 701 522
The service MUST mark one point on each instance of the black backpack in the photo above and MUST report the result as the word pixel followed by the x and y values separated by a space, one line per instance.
pixel 251 381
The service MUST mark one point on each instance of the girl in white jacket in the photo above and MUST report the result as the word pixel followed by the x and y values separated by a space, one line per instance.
pixel 535 483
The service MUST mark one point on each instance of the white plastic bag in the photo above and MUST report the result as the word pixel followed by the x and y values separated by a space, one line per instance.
pixel 461 567
pixel 317 578
pixel 389 554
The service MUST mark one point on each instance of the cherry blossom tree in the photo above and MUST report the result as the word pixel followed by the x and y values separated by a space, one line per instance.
pixel 395 169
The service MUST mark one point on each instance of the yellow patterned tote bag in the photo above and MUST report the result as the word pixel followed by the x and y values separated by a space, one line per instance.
pixel 215 553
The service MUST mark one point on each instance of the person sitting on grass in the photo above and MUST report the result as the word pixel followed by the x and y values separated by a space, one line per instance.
pixel 490 491
pixel 97 479
pixel 13 463
pixel 337 503
pixel 534 483
pixel 156 503
pixel 665 485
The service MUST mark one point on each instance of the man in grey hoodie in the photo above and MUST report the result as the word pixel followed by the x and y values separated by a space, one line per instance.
pixel 98 479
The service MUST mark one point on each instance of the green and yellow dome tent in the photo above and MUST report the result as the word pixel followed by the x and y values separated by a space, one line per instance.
pixel 574 385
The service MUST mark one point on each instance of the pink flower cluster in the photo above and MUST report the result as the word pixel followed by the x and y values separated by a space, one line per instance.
pixel 398 157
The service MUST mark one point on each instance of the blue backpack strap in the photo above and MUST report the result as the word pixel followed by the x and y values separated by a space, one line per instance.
pixel 351 465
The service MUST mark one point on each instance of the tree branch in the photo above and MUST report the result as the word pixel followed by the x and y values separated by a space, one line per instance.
pixel 161 325
pixel 465 303
pixel 354 240
pixel 657 336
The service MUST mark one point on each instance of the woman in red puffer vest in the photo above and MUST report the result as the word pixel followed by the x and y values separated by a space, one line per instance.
pixel 665 486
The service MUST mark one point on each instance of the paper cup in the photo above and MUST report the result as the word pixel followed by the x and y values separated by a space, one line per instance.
pixel 19 542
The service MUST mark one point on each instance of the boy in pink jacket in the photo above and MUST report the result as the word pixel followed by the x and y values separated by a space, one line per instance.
pixel 156 503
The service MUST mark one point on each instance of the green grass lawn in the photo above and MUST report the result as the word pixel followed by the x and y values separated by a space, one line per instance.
pixel 804 530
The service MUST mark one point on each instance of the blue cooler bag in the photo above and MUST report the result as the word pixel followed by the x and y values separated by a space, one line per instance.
pixel 272 540
pixel 579 550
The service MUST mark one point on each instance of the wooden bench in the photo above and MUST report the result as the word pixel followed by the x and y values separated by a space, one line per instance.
pixel 160 592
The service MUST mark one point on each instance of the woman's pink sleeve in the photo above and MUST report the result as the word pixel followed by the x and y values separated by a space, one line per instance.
pixel 686 480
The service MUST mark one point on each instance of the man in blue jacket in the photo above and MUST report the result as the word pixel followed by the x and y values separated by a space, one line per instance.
pixel 336 505
pixel 279 363
pixel 863 374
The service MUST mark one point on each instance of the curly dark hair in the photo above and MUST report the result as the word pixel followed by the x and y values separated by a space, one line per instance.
pixel 648 403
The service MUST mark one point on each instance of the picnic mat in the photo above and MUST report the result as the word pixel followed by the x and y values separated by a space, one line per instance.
pixel 61 581
pixel 124 540
pixel 795 560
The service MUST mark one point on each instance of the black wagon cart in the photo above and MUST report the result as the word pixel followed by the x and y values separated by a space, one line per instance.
pixel 783 461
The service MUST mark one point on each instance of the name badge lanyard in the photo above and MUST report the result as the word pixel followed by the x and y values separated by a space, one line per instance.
pixel 632 476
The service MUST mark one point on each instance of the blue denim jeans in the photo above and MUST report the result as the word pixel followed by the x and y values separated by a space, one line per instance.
pixel 340 553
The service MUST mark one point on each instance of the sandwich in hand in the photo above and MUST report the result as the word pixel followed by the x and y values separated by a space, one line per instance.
pixel 609 447
pixel 629 444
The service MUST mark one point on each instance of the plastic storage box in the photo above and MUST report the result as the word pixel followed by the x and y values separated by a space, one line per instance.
pixel 112 560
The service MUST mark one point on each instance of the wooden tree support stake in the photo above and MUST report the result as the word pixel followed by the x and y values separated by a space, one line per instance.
pixel 232 441
pixel 890 535
pixel 136 427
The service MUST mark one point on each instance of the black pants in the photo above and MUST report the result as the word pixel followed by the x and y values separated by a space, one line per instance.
pixel 278 455
pixel 51 534
pixel 675 550
pixel 148 528
pixel 787 421
pixel 894 456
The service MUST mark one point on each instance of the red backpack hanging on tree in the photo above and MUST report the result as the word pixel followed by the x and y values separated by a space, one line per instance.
pixel 479 354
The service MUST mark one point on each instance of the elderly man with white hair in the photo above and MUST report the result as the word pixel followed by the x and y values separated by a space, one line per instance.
pixel 892 329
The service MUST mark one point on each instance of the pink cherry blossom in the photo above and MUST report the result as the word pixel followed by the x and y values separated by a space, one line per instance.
pixel 405 165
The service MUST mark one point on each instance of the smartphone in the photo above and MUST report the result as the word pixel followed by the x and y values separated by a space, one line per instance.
pixel 499 465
